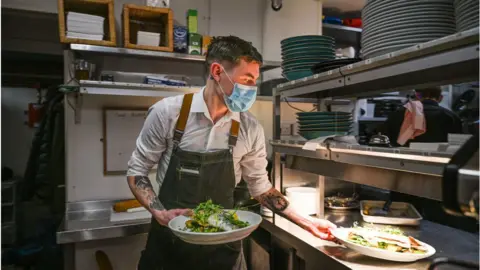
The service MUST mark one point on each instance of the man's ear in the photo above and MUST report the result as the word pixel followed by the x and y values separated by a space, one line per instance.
pixel 215 70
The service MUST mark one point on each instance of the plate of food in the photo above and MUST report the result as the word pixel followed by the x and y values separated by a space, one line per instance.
pixel 387 243
pixel 210 224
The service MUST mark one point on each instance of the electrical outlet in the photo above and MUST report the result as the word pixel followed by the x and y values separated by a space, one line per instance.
pixel 286 129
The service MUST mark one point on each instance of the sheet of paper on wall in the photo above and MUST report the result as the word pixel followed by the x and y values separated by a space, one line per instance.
pixel 122 128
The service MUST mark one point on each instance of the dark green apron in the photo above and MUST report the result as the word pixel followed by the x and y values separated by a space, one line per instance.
pixel 192 178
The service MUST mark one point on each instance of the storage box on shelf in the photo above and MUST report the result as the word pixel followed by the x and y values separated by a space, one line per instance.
pixel 147 19
pixel 103 8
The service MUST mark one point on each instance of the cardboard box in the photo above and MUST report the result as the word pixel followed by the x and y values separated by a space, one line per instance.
pixel 194 43
pixel 206 40
pixel 192 21
pixel 180 39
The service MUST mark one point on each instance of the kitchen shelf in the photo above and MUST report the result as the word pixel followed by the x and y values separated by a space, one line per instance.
pixel 133 89
pixel 372 119
pixel 136 52
pixel 400 169
pixel 451 59
pixel 86 87
pixel 267 65
pixel 341 27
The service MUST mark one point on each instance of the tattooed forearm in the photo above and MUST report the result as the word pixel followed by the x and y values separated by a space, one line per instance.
pixel 143 190
pixel 274 200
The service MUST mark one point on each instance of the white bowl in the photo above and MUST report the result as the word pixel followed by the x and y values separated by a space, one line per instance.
pixel 177 225
pixel 342 235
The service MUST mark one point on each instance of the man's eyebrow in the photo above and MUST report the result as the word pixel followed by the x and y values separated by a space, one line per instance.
pixel 250 75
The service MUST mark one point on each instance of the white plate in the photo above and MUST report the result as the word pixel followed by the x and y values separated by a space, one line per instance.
pixel 177 225
pixel 342 235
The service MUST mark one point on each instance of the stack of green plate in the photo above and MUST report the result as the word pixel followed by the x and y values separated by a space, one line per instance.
pixel 318 124
pixel 301 53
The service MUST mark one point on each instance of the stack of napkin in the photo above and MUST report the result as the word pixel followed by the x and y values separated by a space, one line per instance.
pixel 84 26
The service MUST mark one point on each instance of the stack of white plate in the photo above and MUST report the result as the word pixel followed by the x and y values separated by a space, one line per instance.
pixel 391 25
pixel 466 14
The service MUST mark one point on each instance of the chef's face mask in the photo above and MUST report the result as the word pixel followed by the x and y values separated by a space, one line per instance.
pixel 242 97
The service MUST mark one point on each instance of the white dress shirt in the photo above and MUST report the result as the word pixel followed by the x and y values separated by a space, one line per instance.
pixel 155 142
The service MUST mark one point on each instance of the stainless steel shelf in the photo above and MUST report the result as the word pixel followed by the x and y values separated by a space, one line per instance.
pixel 451 59
pixel 134 52
pixel 400 169
pixel 372 119
pixel 268 65
pixel 341 27
pixel 133 89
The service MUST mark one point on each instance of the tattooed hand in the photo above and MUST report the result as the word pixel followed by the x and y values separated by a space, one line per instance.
pixel 275 201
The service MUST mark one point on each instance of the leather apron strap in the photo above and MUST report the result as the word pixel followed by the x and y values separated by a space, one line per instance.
pixel 182 119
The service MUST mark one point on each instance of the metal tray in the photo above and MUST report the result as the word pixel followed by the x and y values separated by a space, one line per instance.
pixel 400 213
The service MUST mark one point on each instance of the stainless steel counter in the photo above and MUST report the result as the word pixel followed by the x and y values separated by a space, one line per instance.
pixel 86 221
pixel 447 241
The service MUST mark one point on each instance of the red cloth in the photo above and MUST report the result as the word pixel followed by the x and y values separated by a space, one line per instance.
pixel 414 123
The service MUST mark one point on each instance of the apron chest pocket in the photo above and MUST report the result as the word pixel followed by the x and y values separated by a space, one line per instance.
pixel 189 183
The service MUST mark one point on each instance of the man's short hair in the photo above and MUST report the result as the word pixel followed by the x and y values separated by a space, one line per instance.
pixel 231 49
pixel 430 92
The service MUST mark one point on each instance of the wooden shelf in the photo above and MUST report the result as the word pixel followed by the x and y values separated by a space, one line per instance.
pixel 102 8
pixel 149 19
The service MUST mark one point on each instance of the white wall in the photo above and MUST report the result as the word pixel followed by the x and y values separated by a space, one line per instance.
pixel 297 17
pixel 16 136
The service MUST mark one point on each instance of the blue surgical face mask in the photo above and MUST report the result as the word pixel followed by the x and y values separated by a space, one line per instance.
pixel 242 97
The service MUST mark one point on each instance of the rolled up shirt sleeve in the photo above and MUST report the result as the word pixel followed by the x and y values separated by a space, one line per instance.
pixel 254 165
pixel 151 143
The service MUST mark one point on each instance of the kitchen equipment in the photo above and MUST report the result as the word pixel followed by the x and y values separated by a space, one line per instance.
pixel 177 225
pixel 83 69
pixel 400 213
pixel 379 140
pixel 303 199
pixel 341 234
pixel 460 181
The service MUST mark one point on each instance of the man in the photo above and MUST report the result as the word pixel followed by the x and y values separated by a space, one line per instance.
pixel 204 144
pixel 439 121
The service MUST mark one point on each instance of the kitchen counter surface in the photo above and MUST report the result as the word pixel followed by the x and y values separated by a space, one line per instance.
pixel 86 221
pixel 447 241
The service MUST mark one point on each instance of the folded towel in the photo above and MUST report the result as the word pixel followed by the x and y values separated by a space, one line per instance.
pixel 414 123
